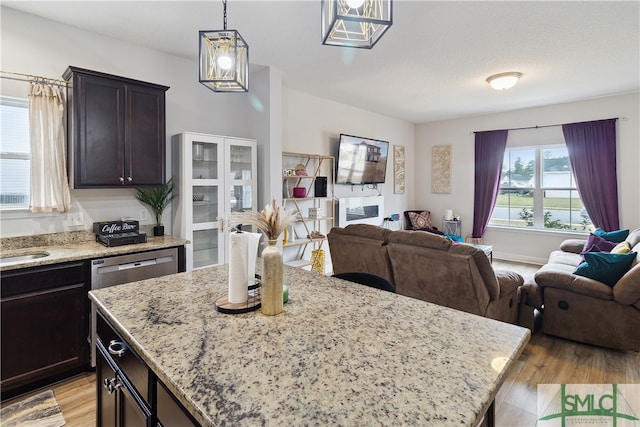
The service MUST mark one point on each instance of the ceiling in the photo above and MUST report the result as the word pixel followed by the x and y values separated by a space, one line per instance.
pixel 430 65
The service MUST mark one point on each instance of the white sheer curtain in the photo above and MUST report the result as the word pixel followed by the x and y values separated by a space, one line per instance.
pixel 49 185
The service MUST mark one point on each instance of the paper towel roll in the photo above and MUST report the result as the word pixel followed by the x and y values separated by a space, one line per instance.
pixel 448 215
pixel 238 267
pixel 253 239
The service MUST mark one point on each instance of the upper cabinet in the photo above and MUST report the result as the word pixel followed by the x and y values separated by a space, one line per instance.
pixel 116 131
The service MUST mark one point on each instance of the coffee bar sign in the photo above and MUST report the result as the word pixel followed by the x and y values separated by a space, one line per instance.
pixel 115 227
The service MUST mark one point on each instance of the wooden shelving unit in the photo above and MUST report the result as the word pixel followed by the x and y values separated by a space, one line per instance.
pixel 299 248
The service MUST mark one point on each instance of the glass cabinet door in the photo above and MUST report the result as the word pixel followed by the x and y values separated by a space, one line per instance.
pixel 205 160
pixel 241 198
pixel 207 205
pixel 240 167
pixel 240 159
pixel 206 250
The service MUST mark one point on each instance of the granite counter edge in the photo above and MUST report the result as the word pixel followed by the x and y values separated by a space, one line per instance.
pixel 85 251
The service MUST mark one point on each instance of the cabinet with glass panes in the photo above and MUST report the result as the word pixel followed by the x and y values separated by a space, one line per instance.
pixel 215 175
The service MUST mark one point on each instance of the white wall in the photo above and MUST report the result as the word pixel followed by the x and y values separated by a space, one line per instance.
pixel 527 245
pixel 42 47
pixel 265 119
pixel 313 125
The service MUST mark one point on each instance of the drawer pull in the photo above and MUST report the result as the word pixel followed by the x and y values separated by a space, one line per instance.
pixel 112 384
pixel 117 348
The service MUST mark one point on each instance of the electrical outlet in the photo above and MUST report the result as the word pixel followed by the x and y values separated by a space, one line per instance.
pixel 144 215
pixel 75 219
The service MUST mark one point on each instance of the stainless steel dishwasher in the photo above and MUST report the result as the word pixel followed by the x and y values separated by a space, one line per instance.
pixel 121 269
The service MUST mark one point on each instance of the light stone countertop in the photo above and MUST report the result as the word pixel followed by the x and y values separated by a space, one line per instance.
pixel 64 251
pixel 340 353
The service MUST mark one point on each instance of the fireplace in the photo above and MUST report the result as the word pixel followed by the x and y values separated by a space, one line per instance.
pixel 360 210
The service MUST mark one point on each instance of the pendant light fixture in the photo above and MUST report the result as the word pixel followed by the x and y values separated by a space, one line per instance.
pixel 355 23
pixel 504 81
pixel 224 59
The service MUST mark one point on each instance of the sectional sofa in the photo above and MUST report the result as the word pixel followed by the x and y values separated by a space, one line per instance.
pixel 604 311
pixel 429 267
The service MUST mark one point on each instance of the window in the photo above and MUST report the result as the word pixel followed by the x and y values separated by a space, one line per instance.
pixel 538 190
pixel 15 156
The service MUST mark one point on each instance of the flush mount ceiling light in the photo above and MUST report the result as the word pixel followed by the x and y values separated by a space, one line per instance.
pixel 224 59
pixel 355 23
pixel 504 81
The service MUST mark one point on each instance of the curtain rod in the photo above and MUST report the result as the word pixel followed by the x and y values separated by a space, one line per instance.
pixel 547 126
pixel 21 77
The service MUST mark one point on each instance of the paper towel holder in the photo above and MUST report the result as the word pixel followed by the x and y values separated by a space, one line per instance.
pixel 254 300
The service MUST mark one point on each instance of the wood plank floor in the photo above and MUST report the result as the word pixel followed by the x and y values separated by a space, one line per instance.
pixel 76 397
pixel 545 360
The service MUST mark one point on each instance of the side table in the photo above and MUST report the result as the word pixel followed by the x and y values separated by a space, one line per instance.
pixel 487 249
pixel 453 228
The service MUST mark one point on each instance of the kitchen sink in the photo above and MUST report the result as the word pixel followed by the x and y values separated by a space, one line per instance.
pixel 21 257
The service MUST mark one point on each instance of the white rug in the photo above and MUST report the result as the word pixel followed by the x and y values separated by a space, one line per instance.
pixel 41 410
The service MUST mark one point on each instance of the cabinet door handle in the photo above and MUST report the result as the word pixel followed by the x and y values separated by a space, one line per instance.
pixel 117 348
pixel 112 384
pixel 121 179
pixel 129 179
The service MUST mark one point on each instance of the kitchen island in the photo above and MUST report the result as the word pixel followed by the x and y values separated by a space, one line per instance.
pixel 339 354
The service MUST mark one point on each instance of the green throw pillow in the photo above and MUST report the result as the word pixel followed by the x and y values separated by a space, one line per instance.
pixel 616 236
pixel 605 267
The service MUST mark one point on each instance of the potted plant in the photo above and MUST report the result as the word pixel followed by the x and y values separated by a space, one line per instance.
pixel 157 198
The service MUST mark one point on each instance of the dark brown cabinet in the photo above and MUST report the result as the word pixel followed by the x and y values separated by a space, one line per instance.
pixel 106 386
pixel 117 404
pixel 170 413
pixel 129 394
pixel 117 133
pixel 44 325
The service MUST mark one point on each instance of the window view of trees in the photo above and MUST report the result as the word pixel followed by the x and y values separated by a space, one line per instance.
pixel 537 190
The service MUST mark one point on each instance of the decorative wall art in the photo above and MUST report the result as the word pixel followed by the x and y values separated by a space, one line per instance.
pixel 441 169
pixel 398 169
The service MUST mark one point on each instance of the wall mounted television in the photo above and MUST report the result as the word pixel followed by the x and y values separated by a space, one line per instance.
pixel 361 160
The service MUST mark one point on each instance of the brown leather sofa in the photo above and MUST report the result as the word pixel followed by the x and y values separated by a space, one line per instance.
pixel 429 267
pixel 583 309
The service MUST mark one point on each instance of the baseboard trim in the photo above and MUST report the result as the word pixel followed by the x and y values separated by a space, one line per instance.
pixel 505 256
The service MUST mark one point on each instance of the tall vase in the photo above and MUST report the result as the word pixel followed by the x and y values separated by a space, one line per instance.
pixel 272 278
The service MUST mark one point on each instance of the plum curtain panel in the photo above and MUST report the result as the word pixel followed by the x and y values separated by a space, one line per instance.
pixel 49 185
pixel 489 152
pixel 592 153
